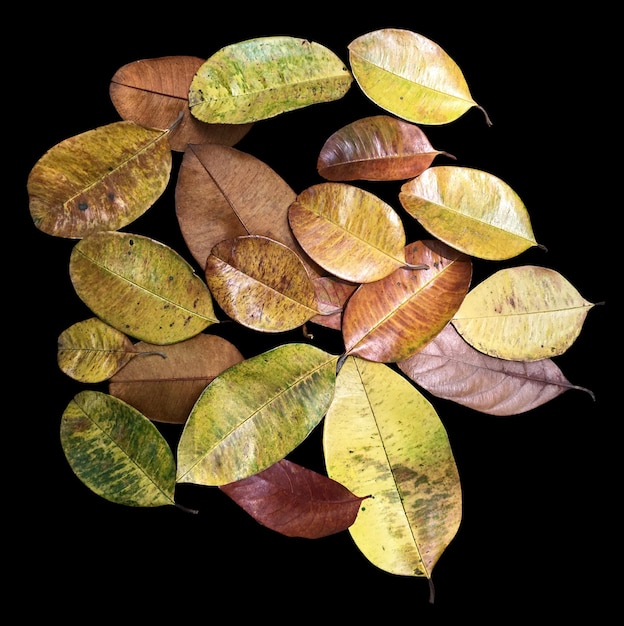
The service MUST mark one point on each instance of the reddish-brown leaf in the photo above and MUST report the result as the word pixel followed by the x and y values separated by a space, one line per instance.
pixel 295 501
pixel 331 296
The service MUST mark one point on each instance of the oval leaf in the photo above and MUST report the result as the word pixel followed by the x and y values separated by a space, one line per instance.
pixel 117 452
pixel 382 437
pixel 102 179
pixel 264 77
pixel 141 287
pixel 255 413
pixel 470 210
pixel 522 313
pixel 154 92
pixel 392 318
pixel 379 147
pixel 410 76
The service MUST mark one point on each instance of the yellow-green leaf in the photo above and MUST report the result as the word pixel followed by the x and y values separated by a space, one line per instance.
pixel 410 76
pixel 264 77
pixel 102 179
pixel 522 313
pixel 255 413
pixel 470 210
pixel 382 437
pixel 117 452
pixel 141 287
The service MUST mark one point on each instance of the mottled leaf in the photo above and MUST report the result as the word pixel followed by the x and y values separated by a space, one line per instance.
pixel 331 297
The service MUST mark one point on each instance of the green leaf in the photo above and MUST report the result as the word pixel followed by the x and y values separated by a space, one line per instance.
pixel 264 77
pixel 117 452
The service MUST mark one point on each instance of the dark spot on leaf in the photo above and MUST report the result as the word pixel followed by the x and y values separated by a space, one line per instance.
pixel 131 242
pixel 111 196
pixel 170 277
pixel 83 206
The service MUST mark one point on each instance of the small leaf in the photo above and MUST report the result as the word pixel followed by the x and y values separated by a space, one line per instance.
pixel 379 148
pixel 165 382
pixel 255 413
pixel 154 92
pixel 100 180
pixel 140 287
pixel 295 501
pixel 92 351
pixel 522 313
pixel 410 76
pixel 260 78
pixel 470 210
pixel 117 452
pixel 332 295
pixel 261 284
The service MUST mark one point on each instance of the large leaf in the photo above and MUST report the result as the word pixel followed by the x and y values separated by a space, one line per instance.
pixel 255 413
pixel 450 368
pixel 392 318
pixel 154 93
pixel 379 147
pixel 295 501
pixel 382 437
pixel 470 210
pixel 410 76
pixel 264 77
pixel 261 283
pixel 522 313
pixel 117 452
pixel 141 287
pixel 102 179
pixel 165 382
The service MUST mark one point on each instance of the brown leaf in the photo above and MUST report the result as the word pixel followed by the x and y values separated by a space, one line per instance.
pixel 153 93
pixel 295 501
pixel 379 147
pixel 331 296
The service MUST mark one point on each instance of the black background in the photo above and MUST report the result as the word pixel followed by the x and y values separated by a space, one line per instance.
pixel 539 488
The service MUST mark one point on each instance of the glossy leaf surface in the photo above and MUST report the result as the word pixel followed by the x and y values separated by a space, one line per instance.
pixel 382 437
pixel 117 452
pixel 392 318
pixel 295 501
pixel 524 313
pixel 263 77
pixel 100 180
pixel 141 287
pixel 470 210
pixel 255 413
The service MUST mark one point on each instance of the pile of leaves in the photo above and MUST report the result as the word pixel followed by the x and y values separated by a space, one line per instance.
pixel 334 255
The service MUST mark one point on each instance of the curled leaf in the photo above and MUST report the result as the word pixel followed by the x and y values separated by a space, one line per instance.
pixel 332 295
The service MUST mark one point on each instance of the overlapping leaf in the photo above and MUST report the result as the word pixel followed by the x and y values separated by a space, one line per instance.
pixel 154 93
pixel 331 297
pixel 117 452
pixel 392 318
pixel 470 210
pixel 522 313
pixel 141 287
pixel 378 148
pixel 166 381
pixel 382 437
pixel 410 76
pixel 264 77
pixel 255 413
pixel 295 501
pixel 102 179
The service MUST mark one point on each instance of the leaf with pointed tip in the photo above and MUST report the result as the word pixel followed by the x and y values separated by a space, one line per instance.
pixel 255 413
pixel 331 297
pixel 470 210
pixel 117 452
pixel 165 382
pixel 450 368
pixel 91 351
pixel 154 92
pixel 524 313
pixel 141 287
pixel 100 180
pixel 379 147
pixel 410 76
pixel 261 283
pixel 382 437
pixel 263 77
pixel 295 501
pixel 392 318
